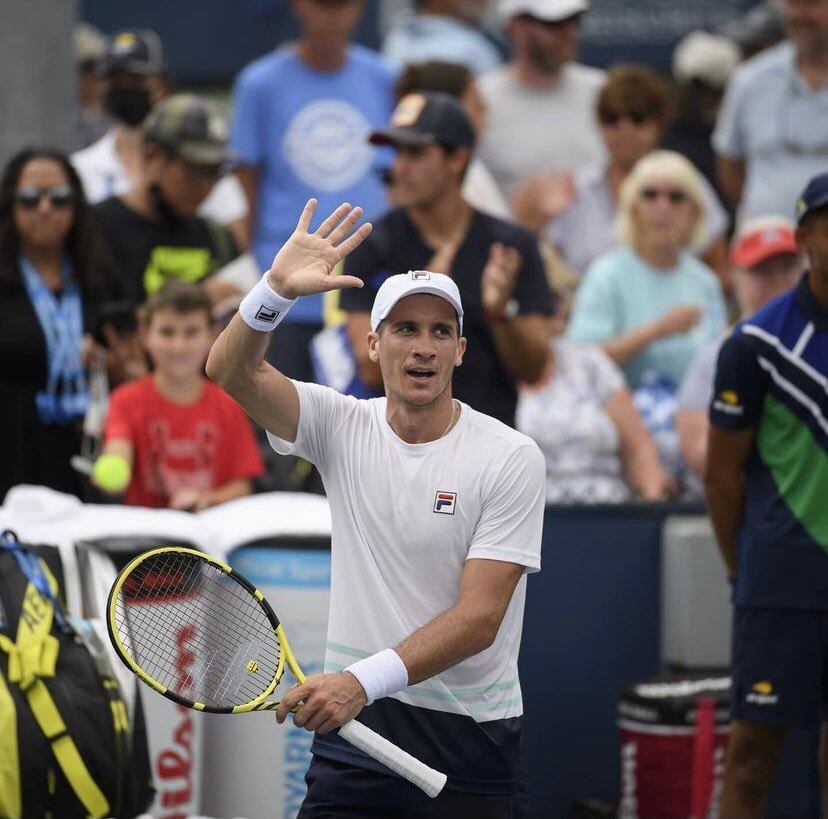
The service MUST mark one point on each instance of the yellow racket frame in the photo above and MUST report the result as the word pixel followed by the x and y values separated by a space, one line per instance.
pixel 286 656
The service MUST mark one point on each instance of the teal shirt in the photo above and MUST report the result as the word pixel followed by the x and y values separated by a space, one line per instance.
pixel 621 292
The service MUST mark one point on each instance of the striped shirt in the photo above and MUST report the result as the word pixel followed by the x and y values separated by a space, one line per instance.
pixel 771 376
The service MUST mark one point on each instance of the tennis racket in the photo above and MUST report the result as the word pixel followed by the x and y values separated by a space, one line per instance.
pixel 202 635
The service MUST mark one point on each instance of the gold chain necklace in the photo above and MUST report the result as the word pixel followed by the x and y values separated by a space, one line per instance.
pixel 451 420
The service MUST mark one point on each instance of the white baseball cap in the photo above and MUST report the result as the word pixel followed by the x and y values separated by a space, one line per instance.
pixel 550 10
pixel 398 287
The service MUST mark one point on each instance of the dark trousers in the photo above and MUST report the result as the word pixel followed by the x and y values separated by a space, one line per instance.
pixel 340 791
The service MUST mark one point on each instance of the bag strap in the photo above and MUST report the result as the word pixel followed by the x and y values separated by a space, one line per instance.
pixel 33 657
pixel 11 802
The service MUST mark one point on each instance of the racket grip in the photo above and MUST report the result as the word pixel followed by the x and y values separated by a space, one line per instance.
pixel 379 748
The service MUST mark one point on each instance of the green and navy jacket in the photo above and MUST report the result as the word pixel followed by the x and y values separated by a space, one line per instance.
pixel 772 376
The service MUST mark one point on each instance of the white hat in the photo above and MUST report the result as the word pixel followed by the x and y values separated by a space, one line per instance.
pixel 550 10
pixel 710 58
pixel 398 287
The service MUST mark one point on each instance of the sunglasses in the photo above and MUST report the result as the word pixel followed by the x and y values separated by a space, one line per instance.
pixel 613 117
pixel 60 196
pixel 675 196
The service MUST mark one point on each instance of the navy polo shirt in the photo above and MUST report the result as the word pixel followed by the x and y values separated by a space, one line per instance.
pixel 772 376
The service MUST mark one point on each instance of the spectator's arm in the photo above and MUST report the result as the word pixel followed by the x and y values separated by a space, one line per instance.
pixel 249 177
pixel 518 273
pixel 639 456
pixel 628 345
pixel 680 319
pixel 236 488
pixel 730 173
pixel 522 346
pixel 715 258
pixel 692 425
pixel 735 411
pixel 724 486
pixel 358 325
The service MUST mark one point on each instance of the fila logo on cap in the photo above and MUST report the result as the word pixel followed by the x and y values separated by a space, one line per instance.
pixel 444 502
pixel 419 275
pixel 267 315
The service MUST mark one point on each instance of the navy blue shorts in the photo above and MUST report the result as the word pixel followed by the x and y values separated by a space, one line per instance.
pixel 779 665
pixel 337 790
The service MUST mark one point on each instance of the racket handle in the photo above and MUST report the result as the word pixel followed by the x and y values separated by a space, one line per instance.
pixel 379 748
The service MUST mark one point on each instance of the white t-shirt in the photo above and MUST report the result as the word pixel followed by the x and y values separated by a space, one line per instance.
pixel 103 175
pixel 405 519
pixel 531 130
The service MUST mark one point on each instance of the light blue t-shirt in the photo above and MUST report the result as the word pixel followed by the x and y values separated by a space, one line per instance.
pixel 423 37
pixel 620 292
pixel 308 131
pixel 772 120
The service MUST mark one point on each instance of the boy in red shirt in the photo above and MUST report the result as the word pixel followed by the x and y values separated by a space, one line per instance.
pixel 189 445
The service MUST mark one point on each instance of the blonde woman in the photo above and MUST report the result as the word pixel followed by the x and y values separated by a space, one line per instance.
pixel 650 303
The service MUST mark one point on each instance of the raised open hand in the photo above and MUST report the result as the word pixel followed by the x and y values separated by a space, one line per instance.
pixel 304 263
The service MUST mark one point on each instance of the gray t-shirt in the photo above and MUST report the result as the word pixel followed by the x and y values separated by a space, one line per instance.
pixel 530 130
pixel 772 120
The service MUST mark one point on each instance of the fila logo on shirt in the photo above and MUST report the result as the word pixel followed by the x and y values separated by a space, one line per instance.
pixel 265 314
pixel 444 502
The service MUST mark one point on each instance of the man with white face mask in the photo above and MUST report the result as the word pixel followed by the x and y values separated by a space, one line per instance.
pixel 134 73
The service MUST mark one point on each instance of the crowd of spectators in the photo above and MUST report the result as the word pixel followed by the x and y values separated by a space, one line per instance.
pixel 587 217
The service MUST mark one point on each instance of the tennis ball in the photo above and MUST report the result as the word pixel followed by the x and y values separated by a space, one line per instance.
pixel 111 472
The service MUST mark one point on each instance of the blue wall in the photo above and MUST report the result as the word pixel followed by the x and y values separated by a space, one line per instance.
pixel 591 630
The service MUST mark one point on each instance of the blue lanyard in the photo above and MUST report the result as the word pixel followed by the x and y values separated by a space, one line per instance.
pixel 61 319
pixel 31 568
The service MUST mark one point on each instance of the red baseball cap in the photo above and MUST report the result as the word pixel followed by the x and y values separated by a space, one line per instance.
pixel 760 239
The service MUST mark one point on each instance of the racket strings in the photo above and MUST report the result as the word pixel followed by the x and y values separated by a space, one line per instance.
pixel 196 630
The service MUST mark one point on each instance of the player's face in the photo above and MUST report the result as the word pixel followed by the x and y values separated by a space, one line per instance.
pixel 548 46
pixel 807 24
pixel 417 349
pixel 422 176
pixel 756 287
pixel 328 23
pixel 664 213
pixel 812 239
pixel 178 343
pixel 43 209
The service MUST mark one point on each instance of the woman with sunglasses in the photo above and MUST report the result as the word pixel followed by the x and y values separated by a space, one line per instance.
pixel 650 303
pixel 50 284
pixel 633 111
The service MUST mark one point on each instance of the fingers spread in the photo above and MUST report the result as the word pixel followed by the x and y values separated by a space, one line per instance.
pixel 333 220
pixel 346 226
pixel 354 240
pixel 307 215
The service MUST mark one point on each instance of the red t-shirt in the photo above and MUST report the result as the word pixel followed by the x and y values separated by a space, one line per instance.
pixel 202 445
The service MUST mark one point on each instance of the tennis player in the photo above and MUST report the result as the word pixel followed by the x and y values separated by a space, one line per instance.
pixel 437 513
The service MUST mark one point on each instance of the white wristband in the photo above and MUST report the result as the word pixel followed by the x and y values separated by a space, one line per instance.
pixel 381 674
pixel 263 308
